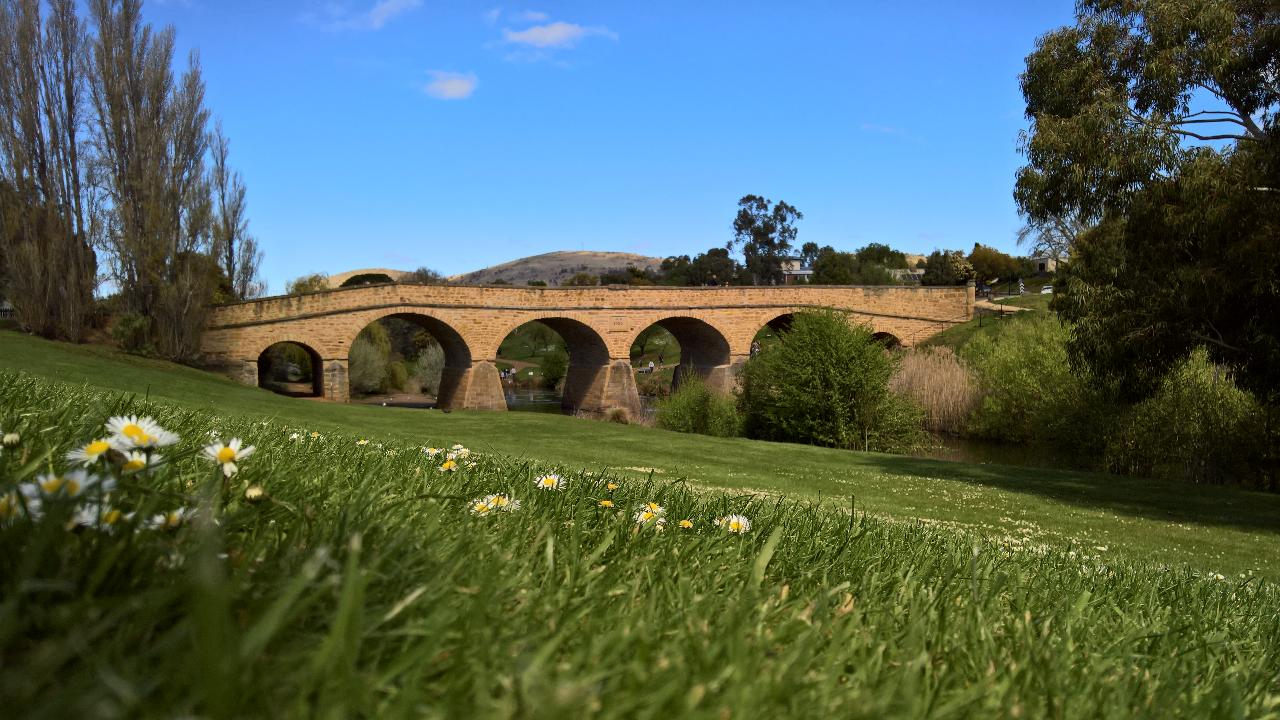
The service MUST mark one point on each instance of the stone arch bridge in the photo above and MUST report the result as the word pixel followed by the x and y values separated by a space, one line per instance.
pixel 715 327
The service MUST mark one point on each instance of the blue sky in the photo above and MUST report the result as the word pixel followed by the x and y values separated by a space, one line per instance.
pixel 452 135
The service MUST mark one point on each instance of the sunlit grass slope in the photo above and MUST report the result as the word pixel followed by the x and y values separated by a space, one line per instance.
pixel 1210 529
pixel 361 585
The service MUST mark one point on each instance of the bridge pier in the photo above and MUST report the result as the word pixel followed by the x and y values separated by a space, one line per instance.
pixel 477 387
pixel 335 385
pixel 720 378
pixel 594 390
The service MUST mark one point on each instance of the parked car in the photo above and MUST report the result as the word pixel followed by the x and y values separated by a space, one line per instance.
pixel 1046 290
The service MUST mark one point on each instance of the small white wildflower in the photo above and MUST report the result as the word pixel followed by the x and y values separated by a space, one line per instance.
pixel 737 524
pixel 550 481
pixel 171 520
pixel 129 432
pixel 90 452
pixel 227 454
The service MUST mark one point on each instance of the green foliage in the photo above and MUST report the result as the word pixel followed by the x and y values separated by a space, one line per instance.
pixel 1029 392
pixel 1192 264
pixel 713 267
pixel 132 333
pixel 882 255
pixel 947 267
pixel 314 282
pixel 841 268
pixel 553 367
pixel 765 232
pixel 360 586
pixel 989 263
pixel 696 408
pixel 1198 426
pixel 629 275
pixel 426 369
pixel 537 283
pixel 397 375
pixel 367 366
pixel 825 383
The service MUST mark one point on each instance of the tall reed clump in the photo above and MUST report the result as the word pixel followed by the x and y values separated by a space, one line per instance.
pixel 941 384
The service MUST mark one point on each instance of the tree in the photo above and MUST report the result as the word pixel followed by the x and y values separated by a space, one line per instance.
pixel 989 263
pixel 809 253
pixel 882 255
pixel 946 267
pixel 1112 98
pixel 367 279
pixel 235 249
pixel 151 131
pixel 765 232
pixel 1052 237
pixel 49 200
pixel 1154 124
pixel 842 268
pixel 315 282
pixel 425 276
pixel 826 382
pixel 554 366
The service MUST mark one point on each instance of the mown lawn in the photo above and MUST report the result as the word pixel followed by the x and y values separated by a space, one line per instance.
pixel 1208 529
pixel 361 580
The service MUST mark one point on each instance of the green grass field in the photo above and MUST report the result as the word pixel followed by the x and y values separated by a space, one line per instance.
pixel 360 583
pixel 1210 529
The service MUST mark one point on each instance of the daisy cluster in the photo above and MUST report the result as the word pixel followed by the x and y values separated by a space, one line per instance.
pixel 95 471
pixel 649 515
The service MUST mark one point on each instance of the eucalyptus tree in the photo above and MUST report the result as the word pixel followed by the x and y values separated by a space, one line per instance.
pixel 765 231
pixel 234 248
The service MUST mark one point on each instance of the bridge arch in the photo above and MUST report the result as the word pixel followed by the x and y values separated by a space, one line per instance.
pixel 458 365
pixel 591 384
pixel 704 351
pixel 289 366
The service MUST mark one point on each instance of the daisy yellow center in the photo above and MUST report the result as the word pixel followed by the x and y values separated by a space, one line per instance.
pixel 652 506
pixel 134 432
pixel 612 486
pixel 172 520
pixel 135 464
pixel 111 517
pixel 686 524
pixel 53 485
pixel 226 454
pixel 735 526
pixel 548 482
pixel 97 447
pixel 606 503
pixel 482 508
pixel 499 501
pixel 646 516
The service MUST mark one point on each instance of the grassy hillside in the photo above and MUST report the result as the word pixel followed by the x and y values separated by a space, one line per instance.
pixel 365 580
pixel 1208 528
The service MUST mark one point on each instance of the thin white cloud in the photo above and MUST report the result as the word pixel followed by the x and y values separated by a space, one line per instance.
pixel 530 16
pixel 556 35
pixel 492 16
pixel 384 10
pixel 340 16
pixel 446 85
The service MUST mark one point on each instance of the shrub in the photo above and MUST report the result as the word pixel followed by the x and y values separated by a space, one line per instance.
pixel 1029 392
pixel 397 375
pixel 696 408
pixel 825 382
pixel 1198 426
pixel 554 366
pixel 941 384
pixel 368 366
pixel 427 367
pixel 132 333
pixel 618 415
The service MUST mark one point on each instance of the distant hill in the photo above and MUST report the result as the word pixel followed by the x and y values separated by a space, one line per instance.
pixel 555 267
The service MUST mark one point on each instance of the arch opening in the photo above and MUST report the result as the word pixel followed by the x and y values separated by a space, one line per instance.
pixel 767 336
pixel 407 360
pixel 888 340
pixel 673 348
pixel 552 365
pixel 291 368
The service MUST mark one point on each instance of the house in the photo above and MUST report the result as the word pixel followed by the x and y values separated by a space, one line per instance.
pixel 1045 264
pixel 794 272
pixel 905 276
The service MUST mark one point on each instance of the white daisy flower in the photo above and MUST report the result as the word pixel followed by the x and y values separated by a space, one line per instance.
pixel 650 513
pixel 502 501
pixel 737 524
pixel 138 460
pixel 458 446
pixel 98 515
pixel 550 481
pixel 362 441
pixel 294 436
pixel 480 506
pixel 130 432
pixel 11 439
pixel 432 452
pixel 449 466
pixel 69 484
pixel 90 453
pixel 171 520
pixel 227 454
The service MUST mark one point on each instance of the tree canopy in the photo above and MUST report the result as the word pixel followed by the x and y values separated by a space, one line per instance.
pixel 765 231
